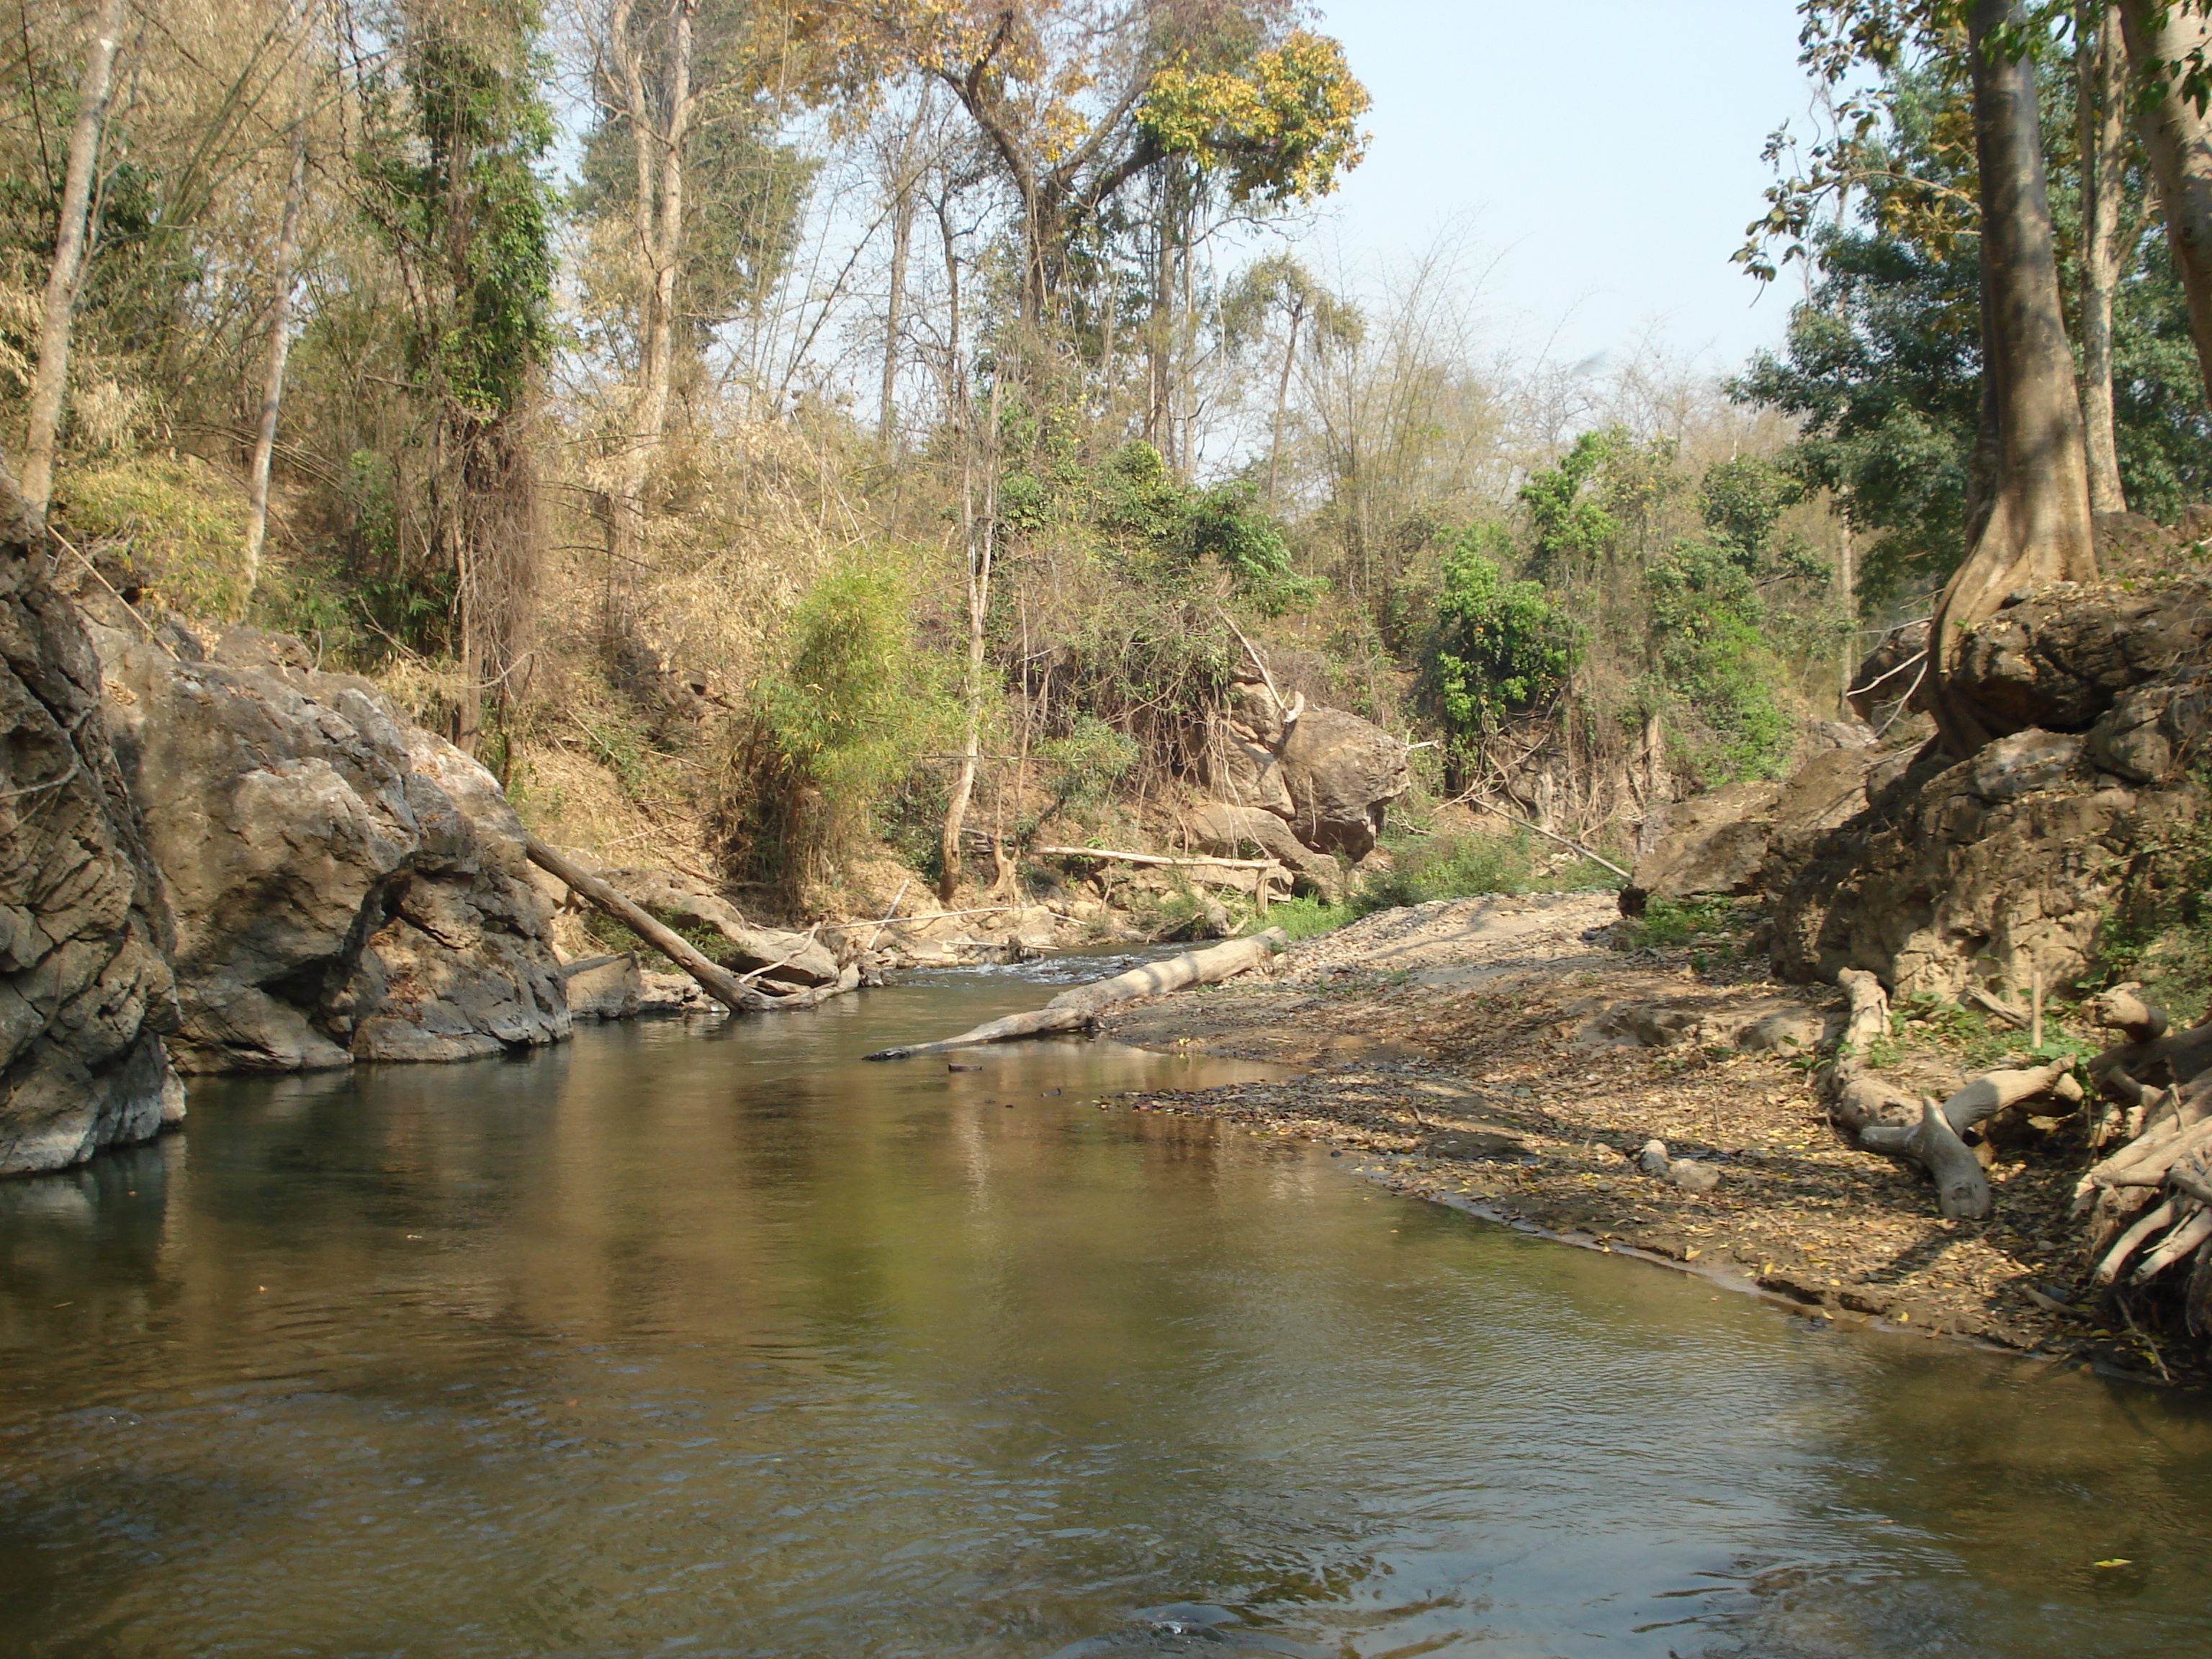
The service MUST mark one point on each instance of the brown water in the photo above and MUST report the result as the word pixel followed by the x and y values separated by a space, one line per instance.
pixel 732 1345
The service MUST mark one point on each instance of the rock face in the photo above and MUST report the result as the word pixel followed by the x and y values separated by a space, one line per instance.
pixel 1342 772
pixel 1226 831
pixel 345 886
pixel 85 989
pixel 1328 774
pixel 2011 863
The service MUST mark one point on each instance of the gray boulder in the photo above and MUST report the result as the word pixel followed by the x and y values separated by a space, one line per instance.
pixel 345 885
pixel 85 989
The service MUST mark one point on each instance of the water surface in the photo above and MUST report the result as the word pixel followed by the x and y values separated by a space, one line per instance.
pixel 729 1344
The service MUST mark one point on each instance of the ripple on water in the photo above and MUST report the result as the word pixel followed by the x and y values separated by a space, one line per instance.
pixel 735 1344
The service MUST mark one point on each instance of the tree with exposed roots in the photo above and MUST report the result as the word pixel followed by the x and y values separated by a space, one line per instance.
pixel 2033 524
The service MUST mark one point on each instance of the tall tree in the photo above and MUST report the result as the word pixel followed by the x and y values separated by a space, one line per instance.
pixel 453 189
pixel 2099 97
pixel 2033 524
pixel 279 348
pixel 2167 48
pixel 51 381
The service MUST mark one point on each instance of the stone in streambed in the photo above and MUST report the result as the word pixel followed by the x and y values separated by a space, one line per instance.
pixel 1693 1176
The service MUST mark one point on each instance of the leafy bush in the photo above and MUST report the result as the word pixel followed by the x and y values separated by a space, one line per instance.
pixel 1468 866
pixel 832 727
pixel 164 523
pixel 1500 645
pixel 1303 917
pixel 1667 922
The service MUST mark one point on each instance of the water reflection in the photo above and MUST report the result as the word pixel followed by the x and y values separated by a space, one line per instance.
pixel 736 1343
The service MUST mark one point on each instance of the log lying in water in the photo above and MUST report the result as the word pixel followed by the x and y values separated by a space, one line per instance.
pixel 729 989
pixel 1074 1010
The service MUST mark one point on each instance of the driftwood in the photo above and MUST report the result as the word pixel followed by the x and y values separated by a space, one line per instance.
pixel 1075 1009
pixel 1886 1121
pixel 732 991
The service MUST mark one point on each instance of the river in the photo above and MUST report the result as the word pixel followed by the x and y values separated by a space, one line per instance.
pixel 730 1343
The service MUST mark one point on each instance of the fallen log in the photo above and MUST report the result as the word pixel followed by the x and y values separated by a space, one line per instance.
pixel 1074 1010
pixel 718 982
pixel 1962 1186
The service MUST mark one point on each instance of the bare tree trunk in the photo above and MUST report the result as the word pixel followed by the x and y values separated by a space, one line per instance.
pixel 2099 88
pixel 280 341
pixel 661 141
pixel 980 543
pixel 902 243
pixel 2179 137
pixel 50 381
pixel 903 205
pixel 1282 402
pixel 2037 527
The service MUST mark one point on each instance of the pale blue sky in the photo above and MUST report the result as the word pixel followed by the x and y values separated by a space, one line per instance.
pixel 1598 161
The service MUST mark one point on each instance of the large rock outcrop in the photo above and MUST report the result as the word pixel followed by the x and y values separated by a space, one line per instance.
pixel 1328 774
pixel 85 987
pixel 1936 874
pixel 345 885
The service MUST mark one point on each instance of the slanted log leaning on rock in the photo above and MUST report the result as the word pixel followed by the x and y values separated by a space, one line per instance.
pixel 726 988
pixel 1074 1010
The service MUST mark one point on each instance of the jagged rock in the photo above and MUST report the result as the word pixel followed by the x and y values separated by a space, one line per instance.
pixel 345 886
pixel 1708 844
pixel 1999 867
pixel 85 987
pixel 1227 831
pixel 2064 654
pixel 602 987
pixel 2010 864
pixel 1890 672
pixel 1343 773
pixel 1330 775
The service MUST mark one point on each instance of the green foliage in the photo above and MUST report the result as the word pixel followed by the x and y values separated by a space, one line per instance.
pixel 1705 621
pixel 1302 918
pixel 2160 932
pixel 1882 364
pixel 454 193
pixel 1570 530
pixel 1468 865
pixel 1083 767
pixel 1500 646
pixel 163 523
pixel 1668 923
pixel 833 726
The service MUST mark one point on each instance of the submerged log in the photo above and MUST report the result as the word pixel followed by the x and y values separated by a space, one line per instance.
pixel 729 989
pixel 1074 1010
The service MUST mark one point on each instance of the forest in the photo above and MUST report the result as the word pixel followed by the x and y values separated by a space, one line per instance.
pixel 827 437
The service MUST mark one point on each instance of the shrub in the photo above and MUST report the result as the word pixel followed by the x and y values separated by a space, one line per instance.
pixel 837 721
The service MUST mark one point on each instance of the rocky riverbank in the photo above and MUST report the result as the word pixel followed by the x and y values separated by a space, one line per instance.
pixel 1518 1055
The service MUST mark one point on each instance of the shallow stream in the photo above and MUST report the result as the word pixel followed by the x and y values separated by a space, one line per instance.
pixel 730 1344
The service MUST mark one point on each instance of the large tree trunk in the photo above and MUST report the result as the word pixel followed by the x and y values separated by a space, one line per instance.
pixel 2037 524
pixel 2177 135
pixel 2099 91
pixel 50 379
pixel 279 342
